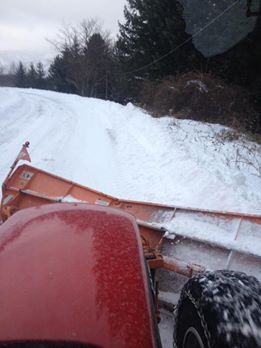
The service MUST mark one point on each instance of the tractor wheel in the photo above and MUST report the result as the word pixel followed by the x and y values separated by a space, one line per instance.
pixel 219 309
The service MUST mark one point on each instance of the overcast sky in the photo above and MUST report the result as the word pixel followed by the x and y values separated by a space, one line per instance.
pixel 26 24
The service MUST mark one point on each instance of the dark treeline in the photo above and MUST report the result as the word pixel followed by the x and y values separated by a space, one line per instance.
pixel 34 76
pixel 152 47
pixel 86 63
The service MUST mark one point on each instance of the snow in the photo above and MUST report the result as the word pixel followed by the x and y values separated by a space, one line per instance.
pixel 230 233
pixel 166 326
pixel 199 84
pixel 124 152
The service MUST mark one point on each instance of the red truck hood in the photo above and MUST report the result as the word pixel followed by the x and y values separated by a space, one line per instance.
pixel 74 272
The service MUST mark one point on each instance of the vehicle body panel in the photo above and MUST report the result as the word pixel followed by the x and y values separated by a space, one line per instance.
pixel 74 272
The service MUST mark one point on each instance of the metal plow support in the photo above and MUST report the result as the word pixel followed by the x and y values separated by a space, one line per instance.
pixel 174 238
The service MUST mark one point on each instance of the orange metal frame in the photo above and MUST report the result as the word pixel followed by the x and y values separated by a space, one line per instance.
pixel 28 186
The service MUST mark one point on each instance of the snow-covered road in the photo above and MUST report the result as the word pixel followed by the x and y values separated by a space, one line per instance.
pixel 122 151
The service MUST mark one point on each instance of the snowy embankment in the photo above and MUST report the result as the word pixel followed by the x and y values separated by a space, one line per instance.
pixel 124 152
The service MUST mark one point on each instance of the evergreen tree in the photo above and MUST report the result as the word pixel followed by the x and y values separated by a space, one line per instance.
pixel 40 76
pixel 85 64
pixel 31 76
pixel 58 73
pixel 99 60
pixel 152 29
pixel 20 76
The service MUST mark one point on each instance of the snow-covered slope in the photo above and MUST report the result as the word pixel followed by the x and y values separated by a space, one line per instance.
pixel 122 151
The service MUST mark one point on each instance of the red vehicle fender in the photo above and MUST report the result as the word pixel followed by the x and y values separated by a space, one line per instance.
pixel 74 273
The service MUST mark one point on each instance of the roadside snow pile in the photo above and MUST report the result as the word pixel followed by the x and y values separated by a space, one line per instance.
pixel 124 152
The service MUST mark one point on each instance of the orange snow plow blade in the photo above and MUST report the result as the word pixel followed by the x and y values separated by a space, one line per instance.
pixel 169 234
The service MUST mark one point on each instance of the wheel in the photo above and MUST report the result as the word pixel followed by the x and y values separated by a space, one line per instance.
pixel 219 309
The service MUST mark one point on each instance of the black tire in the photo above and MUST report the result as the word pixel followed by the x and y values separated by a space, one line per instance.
pixel 219 309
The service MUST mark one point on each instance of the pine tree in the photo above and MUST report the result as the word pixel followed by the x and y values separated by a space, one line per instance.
pixel 40 76
pixel 152 29
pixel 85 64
pixel 98 56
pixel 20 76
pixel 58 75
pixel 31 76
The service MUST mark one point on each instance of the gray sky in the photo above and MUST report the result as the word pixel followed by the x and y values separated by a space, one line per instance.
pixel 25 24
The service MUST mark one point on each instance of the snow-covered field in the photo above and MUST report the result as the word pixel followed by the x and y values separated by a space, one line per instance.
pixel 122 151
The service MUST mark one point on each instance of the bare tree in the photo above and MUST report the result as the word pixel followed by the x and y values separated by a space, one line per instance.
pixel 85 56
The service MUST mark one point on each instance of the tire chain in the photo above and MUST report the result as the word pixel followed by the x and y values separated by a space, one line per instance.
pixel 201 317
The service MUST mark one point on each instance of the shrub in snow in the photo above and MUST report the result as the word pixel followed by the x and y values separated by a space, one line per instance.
pixel 201 97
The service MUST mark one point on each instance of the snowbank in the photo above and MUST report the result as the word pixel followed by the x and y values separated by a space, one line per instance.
pixel 124 152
